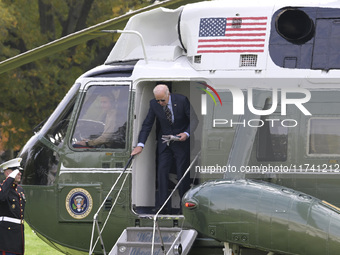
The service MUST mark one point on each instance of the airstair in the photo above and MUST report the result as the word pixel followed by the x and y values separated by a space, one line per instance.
pixel 139 240
pixel 146 240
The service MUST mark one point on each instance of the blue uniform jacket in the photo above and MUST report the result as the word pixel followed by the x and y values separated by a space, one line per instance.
pixel 12 205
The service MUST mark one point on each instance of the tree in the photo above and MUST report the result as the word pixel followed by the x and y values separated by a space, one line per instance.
pixel 29 94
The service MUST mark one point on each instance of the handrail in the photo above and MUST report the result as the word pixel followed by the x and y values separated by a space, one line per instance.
pixel 95 217
pixel 166 201
pixel 135 33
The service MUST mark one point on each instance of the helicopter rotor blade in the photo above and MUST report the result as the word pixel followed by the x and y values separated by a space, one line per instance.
pixel 82 36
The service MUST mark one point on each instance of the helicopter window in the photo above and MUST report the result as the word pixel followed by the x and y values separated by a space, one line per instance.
pixel 102 119
pixel 57 124
pixel 272 140
pixel 324 136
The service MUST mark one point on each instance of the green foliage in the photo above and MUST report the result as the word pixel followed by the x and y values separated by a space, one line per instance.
pixel 29 94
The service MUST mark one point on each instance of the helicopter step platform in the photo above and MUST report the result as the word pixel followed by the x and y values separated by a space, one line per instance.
pixel 138 240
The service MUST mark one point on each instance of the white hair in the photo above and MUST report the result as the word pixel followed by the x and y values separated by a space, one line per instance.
pixel 161 88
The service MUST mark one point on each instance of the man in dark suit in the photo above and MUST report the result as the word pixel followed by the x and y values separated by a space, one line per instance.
pixel 175 117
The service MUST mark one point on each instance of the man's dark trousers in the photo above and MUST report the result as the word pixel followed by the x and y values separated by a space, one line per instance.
pixel 179 152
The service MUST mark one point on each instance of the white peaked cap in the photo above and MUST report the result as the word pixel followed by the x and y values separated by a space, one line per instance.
pixel 10 163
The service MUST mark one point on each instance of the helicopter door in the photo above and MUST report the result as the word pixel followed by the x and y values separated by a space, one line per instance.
pixel 98 150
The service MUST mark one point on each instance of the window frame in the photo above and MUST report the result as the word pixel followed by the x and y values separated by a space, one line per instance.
pixel 308 138
pixel 81 103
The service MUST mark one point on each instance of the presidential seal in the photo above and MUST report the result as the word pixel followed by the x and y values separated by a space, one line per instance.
pixel 79 203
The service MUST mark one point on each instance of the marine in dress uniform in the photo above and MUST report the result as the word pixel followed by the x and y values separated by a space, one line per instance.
pixel 12 205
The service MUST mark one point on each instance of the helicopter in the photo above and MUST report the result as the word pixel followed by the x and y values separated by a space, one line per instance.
pixel 263 80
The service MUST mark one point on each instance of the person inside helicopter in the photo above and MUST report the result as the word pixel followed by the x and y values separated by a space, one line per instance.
pixel 107 129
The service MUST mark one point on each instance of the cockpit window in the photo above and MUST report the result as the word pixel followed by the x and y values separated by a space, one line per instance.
pixel 324 136
pixel 56 126
pixel 102 119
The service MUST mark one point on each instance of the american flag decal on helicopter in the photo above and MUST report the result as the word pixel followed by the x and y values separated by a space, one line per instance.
pixel 232 35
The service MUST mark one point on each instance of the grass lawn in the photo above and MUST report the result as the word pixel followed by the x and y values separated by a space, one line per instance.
pixel 35 246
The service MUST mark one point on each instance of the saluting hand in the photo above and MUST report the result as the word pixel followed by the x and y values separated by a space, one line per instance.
pixel 14 174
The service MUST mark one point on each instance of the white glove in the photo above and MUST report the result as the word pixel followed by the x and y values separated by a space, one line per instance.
pixel 14 174
pixel 168 138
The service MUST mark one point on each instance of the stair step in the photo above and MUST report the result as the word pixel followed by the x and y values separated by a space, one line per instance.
pixel 141 248
pixel 138 240
pixel 145 234
pixel 140 244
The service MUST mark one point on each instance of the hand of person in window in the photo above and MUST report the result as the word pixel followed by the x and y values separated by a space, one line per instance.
pixel 82 143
